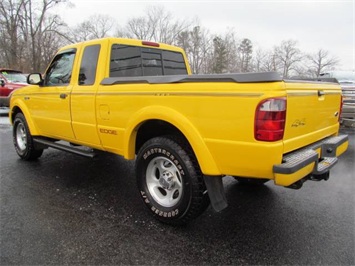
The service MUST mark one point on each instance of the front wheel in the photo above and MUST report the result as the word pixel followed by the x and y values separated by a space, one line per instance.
pixel 23 140
pixel 170 181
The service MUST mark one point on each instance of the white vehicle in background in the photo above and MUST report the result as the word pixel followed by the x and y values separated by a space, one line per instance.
pixel 346 80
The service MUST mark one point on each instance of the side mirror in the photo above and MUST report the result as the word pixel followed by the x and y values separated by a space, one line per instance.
pixel 35 79
pixel 2 82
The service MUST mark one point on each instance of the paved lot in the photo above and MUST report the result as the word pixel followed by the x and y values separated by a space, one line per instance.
pixel 64 210
pixel 4 119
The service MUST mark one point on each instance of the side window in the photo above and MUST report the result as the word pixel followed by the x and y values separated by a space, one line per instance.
pixel 174 63
pixel 88 65
pixel 125 61
pixel 59 72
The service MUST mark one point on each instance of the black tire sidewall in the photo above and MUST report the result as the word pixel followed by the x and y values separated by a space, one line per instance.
pixel 19 119
pixel 176 154
pixel 29 153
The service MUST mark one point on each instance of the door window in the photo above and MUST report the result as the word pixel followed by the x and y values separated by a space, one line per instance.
pixel 60 70
pixel 88 65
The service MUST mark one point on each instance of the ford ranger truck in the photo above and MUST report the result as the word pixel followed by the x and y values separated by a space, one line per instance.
pixel 138 99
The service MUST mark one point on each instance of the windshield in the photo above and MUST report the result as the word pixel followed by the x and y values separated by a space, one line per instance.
pixel 15 77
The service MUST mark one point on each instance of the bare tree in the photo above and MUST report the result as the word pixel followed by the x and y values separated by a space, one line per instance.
pixel 10 39
pixel 184 40
pixel 287 55
pixel 259 58
pixel 95 27
pixel 50 41
pixel 37 25
pixel 232 58
pixel 196 44
pixel 139 28
pixel 245 50
pixel 196 51
pixel 320 61
pixel 219 62
pixel 265 61
pixel 28 23
pixel 102 26
pixel 158 25
pixel 119 31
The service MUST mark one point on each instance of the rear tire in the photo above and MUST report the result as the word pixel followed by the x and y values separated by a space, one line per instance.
pixel 170 181
pixel 23 140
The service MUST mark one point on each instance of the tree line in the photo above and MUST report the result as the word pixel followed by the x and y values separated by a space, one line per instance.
pixel 31 32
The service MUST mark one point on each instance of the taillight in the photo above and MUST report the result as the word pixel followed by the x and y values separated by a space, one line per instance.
pixel 270 117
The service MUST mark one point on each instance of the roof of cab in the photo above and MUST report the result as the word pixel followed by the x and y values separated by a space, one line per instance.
pixel 126 41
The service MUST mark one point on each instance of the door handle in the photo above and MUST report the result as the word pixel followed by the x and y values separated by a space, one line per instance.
pixel 321 93
pixel 63 95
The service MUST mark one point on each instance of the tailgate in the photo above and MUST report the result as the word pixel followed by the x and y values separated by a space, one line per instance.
pixel 312 112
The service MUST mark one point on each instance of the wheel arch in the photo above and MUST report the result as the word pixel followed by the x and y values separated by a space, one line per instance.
pixel 20 108
pixel 158 121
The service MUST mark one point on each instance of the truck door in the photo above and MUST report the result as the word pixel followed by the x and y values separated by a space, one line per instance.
pixel 83 98
pixel 50 105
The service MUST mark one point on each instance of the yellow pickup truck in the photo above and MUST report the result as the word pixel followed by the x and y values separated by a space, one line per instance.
pixel 138 99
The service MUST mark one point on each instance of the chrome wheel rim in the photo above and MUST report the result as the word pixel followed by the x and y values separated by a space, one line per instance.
pixel 164 181
pixel 21 137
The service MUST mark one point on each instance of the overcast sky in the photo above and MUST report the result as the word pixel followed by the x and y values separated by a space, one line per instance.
pixel 315 24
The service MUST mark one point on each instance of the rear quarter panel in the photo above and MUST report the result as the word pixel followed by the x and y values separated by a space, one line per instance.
pixel 217 119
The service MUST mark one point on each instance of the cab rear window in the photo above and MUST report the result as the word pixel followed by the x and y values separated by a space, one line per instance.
pixel 134 61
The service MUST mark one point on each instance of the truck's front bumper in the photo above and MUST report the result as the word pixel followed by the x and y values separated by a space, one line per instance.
pixel 314 160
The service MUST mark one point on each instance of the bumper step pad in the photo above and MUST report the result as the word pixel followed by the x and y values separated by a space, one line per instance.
pixel 324 165
pixel 297 160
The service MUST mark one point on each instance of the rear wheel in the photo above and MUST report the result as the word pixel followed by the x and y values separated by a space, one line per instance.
pixel 23 140
pixel 170 181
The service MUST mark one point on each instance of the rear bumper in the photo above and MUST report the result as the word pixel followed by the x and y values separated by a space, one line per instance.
pixel 316 159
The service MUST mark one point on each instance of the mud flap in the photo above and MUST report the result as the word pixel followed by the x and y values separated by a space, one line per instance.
pixel 215 190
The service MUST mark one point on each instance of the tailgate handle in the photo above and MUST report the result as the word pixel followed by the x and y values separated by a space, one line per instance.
pixel 321 93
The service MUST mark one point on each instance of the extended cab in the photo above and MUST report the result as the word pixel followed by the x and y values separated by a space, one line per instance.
pixel 139 100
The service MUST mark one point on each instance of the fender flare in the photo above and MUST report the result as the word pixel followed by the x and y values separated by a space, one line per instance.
pixel 22 107
pixel 183 124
